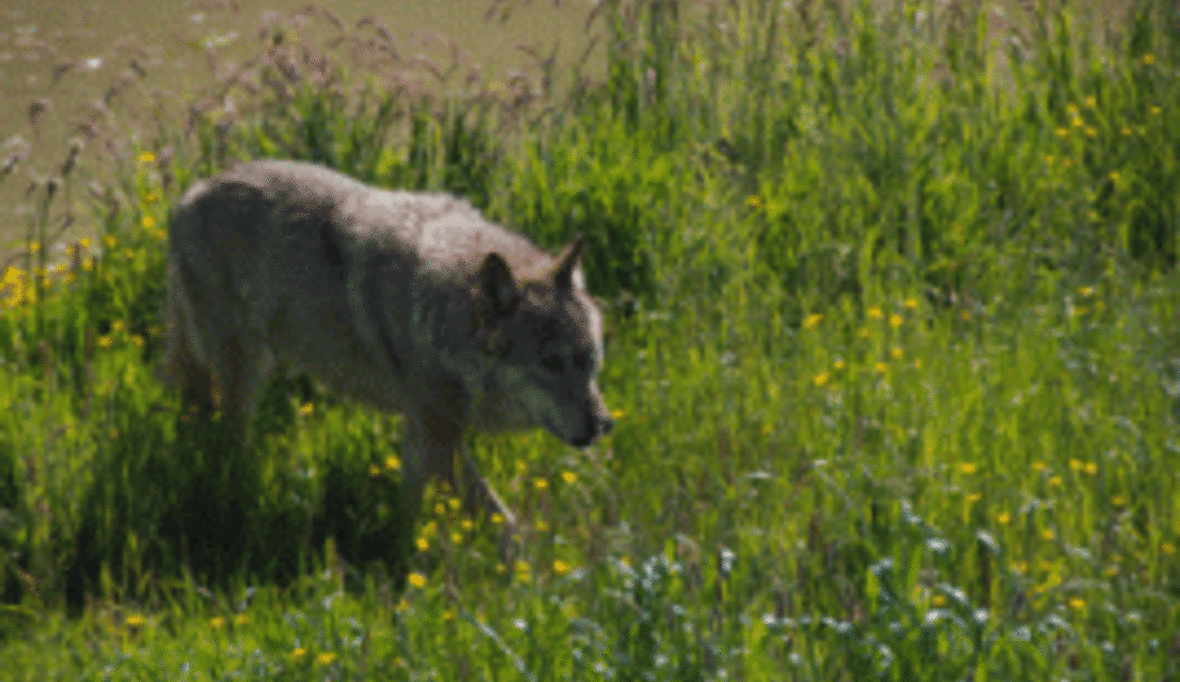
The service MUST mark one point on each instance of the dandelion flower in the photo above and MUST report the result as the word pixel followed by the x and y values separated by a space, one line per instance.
pixel 895 353
pixel 895 320
pixel 147 157
pixel 1055 482
pixel 422 543
pixel 1148 59
pixel 911 303
pixel 1048 534
pixel 241 619
pixel 1168 548
pixel 392 463
pixel 110 240
pixel 417 579
pixel 134 620
pixel 617 414
pixel 456 538
pixel 299 653
pixel 306 409
pixel 1062 132
pixel 569 476
pixel 937 600
pixel 217 622
pixel 1091 468
pixel 497 518
pixel 542 526
pixel 1039 466
pixel 820 379
pixel 875 313
pixel 1003 518
pixel 467 525
pixel 967 468
pixel 326 658
pixel 839 364
pixel 540 483
pixel 812 320
pixel 1091 101
pixel 1077 604
pixel 1118 500
pixel 149 222
pixel 1155 111
pixel 1114 177
pixel 560 567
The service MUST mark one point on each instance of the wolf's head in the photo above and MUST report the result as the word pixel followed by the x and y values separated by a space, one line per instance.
pixel 543 337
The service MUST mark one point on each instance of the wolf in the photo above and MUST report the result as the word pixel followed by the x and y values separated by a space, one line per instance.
pixel 408 302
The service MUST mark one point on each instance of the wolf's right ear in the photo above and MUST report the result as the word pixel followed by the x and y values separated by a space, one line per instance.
pixel 497 284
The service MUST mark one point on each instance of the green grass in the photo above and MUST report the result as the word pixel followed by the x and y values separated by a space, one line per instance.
pixel 894 329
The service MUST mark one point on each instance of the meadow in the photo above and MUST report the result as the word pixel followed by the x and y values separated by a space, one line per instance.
pixel 893 350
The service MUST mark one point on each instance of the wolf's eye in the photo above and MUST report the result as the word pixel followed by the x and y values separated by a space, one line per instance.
pixel 552 363
pixel 581 362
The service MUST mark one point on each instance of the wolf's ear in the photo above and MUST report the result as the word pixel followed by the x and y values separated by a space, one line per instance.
pixel 567 262
pixel 497 284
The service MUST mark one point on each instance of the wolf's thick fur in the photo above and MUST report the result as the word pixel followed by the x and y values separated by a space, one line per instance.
pixel 408 302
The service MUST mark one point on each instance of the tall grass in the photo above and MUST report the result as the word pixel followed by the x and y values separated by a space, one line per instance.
pixel 893 346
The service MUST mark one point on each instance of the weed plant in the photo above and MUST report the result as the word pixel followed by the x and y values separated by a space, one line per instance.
pixel 893 353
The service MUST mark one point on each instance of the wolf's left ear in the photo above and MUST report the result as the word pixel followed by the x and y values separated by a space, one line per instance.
pixel 498 285
pixel 567 262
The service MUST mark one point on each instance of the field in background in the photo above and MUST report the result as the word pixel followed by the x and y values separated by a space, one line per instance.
pixel 893 344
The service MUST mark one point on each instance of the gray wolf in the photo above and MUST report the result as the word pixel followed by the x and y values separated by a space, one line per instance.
pixel 408 302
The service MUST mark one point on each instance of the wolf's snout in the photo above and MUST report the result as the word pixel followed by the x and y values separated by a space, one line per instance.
pixel 596 427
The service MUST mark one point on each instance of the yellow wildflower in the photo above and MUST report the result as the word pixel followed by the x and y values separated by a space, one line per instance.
pixel 967 468
pixel 149 222
pixel 569 476
pixel 820 379
pixel 895 320
pixel 326 658
pixel 147 157
pixel 1003 518
pixel 241 619
pixel 560 567
pixel 417 579
pixel 299 652
pixel 392 463
pixel 1148 59
pixel 874 313
pixel 134 620
pixel 540 483
pixel 812 320
pixel 216 622
pixel 1077 604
